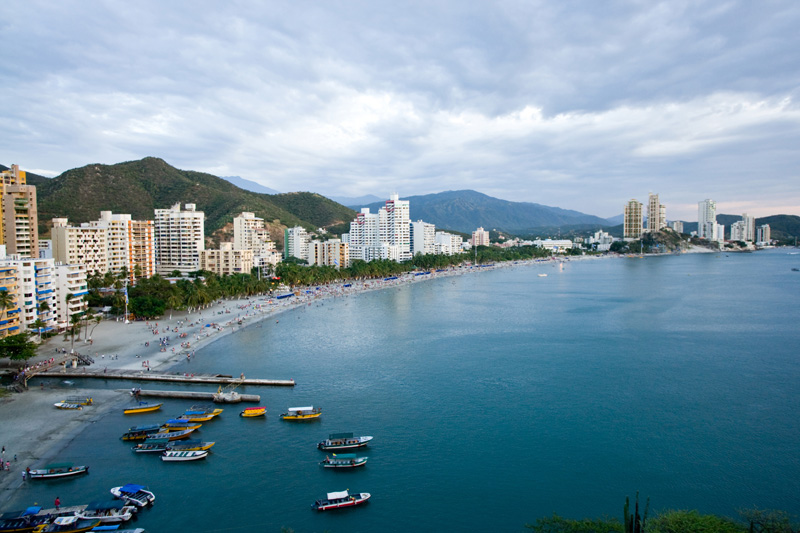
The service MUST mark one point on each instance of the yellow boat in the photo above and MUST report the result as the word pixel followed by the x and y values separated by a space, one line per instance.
pixel 200 414
pixel 253 411
pixel 143 407
pixel 177 424
pixel 302 413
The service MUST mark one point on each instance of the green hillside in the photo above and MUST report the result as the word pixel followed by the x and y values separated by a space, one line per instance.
pixel 140 187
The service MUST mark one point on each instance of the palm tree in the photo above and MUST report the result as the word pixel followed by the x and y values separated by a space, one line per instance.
pixel 75 327
pixel 6 301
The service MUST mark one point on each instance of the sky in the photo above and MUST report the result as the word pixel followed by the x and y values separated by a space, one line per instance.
pixel 581 105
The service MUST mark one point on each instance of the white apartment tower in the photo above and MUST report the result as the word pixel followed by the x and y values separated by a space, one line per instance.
pixel 179 238
pixel 707 220
pixel 394 220
pixel 656 214
pixel 84 245
pixel 423 238
pixel 632 220
pixel 763 235
pixel 749 223
pixel 364 237
pixel 70 281
pixel 37 292
pixel 295 242
pixel 480 237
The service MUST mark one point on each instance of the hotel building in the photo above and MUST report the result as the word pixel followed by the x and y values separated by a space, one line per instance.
pixel 179 239
pixel 632 221
pixel 656 214
pixel 19 222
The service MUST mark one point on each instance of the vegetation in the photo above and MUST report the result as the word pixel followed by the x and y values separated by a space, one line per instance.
pixel 17 347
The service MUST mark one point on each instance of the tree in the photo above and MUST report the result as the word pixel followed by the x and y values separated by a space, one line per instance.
pixel 6 301
pixel 557 524
pixel 17 347
pixel 74 329
pixel 692 522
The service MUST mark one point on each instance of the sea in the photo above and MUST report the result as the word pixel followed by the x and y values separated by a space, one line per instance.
pixel 495 398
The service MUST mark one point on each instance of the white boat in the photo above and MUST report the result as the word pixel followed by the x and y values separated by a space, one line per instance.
pixel 542 275
pixel 343 460
pixel 137 495
pixel 57 470
pixel 65 405
pixel 338 500
pixel 343 441
pixel 111 512
pixel 189 455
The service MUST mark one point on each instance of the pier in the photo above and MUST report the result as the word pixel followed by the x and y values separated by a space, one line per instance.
pixel 189 395
pixel 140 375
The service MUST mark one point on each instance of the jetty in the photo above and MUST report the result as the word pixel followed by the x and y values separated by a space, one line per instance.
pixel 142 375
pixel 191 395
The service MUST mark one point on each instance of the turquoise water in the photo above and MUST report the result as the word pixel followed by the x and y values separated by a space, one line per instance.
pixel 494 399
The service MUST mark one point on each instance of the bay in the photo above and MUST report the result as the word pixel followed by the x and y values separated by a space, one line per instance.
pixel 495 398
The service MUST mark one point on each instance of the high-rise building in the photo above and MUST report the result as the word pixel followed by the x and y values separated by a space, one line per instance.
pixel 423 238
pixel 632 220
pixel 19 223
pixel 749 224
pixel 676 225
pixel 141 249
pixel 70 281
pixel 364 237
pixel 9 314
pixel 737 231
pixel 179 237
pixel 480 237
pixel 382 235
pixel 763 234
pixel 295 243
pixel 332 252
pixel 707 220
pixel 447 243
pixel 84 245
pixel 656 214
pixel 37 293
pixel 227 260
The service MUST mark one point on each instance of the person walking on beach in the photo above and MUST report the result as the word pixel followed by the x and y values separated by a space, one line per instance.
pixel 58 503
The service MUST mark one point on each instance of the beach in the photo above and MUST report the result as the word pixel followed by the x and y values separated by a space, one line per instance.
pixel 35 431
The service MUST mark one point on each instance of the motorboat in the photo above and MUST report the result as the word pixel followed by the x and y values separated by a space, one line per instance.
pixel 65 405
pixel 343 441
pixel 200 414
pixel 137 495
pixel 173 435
pixel 57 470
pixel 302 413
pixel 108 512
pixel 339 500
pixel 190 445
pixel 178 424
pixel 142 407
pixel 140 432
pixel 80 400
pixel 25 520
pixel 249 412
pixel 152 446
pixel 343 460
pixel 188 455
pixel 67 524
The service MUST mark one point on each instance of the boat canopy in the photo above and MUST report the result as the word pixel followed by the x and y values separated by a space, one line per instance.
pixel 145 428
pixel 11 515
pixel 345 456
pixel 336 436
pixel 105 505
pixel 178 421
pixel 65 520
pixel 131 488
pixel 58 466
pixel 338 495
pixel 296 409
pixel 32 510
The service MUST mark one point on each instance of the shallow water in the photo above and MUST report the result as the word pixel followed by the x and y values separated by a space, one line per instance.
pixel 494 399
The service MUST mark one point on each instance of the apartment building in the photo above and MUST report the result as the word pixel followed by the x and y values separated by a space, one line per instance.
pixel 19 222
pixel 227 260
pixel 632 221
pixel 85 245
pixel 179 239
pixel 70 280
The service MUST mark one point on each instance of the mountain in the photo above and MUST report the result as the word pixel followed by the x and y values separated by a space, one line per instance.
pixel 467 210
pixel 357 201
pixel 782 227
pixel 139 187
pixel 249 185
pixel 615 221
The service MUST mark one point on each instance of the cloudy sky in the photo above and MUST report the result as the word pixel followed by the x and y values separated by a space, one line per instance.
pixel 575 104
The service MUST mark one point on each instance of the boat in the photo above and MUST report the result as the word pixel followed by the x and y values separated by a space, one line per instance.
pixel 343 441
pixel 80 400
pixel 190 445
pixel 25 520
pixel 188 455
pixel 173 435
pixel 200 414
pixel 302 413
pixel 143 407
pixel 338 500
pixel 253 411
pixel 542 275
pixel 343 460
pixel 57 470
pixel 65 405
pixel 140 432
pixel 151 446
pixel 67 524
pixel 108 512
pixel 178 424
pixel 137 495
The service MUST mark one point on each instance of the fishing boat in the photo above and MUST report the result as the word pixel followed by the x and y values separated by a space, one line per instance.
pixel 140 432
pixel 189 455
pixel 190 445
pixel 343 441
pixel 302 413
pixel 137 495
pixel 343 460
pixel 178 424
pixel 25 520
pixel 253 411
pixel 65 405
pixel 108 512
pixel 151 446
pixel 200 414
pixel 80 400
pixel 173 435
pixel 338 500
pixel 57 470
pixel 67 524
pixel 142 407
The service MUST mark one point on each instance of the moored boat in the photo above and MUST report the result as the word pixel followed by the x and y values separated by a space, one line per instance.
pixel 67 524
pixel 189 455
pixel 137 495
pixel 302 413
pixel 174 424
pixel 339 500
pixel 253 412
pixel 173 435
pixel 343 441
pixel 57 470
pixel 80 400
pixel 140 432
pixel 65 405
pixel 108 512
pixel 200 414
pixel 142 407
pixel 189 445
pixel 343 460
pixel 25 520
pixel 151 446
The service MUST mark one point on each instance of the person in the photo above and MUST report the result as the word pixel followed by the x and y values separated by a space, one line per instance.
pixel 23 475
pixel 58 503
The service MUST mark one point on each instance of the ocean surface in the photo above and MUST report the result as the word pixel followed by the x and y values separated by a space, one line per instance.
pixel 495 398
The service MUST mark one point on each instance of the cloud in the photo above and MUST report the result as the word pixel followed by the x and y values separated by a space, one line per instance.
pixel 573 104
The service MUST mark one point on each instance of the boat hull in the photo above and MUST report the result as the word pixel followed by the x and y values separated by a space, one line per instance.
pixel 57 473
pixel 252 412
pixel 179 456
pixel 142 409
pixel 352 501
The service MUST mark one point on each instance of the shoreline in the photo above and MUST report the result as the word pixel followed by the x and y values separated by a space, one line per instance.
pixel 41 431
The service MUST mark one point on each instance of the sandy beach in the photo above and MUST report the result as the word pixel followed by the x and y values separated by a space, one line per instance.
pixel 35 431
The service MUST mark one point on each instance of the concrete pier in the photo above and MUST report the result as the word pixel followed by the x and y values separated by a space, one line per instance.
pixel 189 395
pixel 139 375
